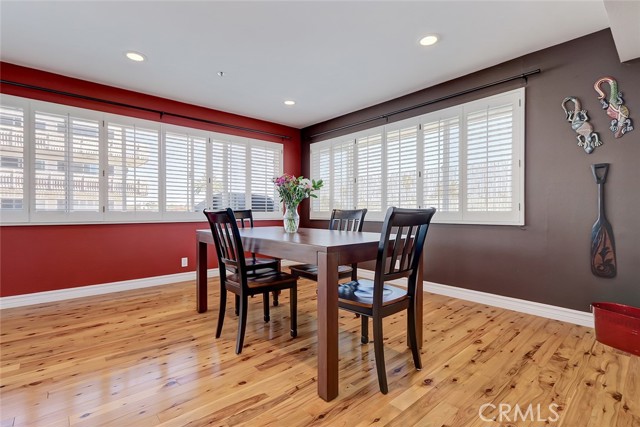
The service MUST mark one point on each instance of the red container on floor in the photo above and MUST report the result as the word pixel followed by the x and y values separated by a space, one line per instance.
pixel 618 326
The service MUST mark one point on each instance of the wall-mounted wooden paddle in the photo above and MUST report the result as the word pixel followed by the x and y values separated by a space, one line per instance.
pixel 603 246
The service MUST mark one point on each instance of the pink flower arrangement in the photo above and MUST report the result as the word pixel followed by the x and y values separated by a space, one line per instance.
pixel 294 190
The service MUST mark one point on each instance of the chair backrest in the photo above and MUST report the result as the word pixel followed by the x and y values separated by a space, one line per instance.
pixel 243 215
pixel 400 257
pixel 347 220
pixel 226 237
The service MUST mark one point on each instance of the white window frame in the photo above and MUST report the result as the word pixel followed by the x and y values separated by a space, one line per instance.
pixel 517 214
pixel 28 216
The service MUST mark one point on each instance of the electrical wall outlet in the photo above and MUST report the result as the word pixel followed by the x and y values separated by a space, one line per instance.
pixel 185 262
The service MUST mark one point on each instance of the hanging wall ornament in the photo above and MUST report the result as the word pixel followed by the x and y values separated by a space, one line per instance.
pixel 620 121
pixel 603 246
pixel 587 138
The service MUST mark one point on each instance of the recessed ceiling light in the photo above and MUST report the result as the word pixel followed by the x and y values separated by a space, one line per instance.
pixel 429 40
pixel 289 102
pixel 135 56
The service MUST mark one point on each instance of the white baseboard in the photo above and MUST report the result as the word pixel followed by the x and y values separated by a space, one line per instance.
pixel 538 309
pixel 105 288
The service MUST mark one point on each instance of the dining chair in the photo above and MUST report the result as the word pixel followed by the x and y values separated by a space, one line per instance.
pixel 341 220
pixel 230 253
pixel 398 256
pixel 245 217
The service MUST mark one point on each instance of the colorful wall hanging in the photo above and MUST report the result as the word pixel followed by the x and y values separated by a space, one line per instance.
pixel 603 245
pixel 620 123
pixel 587 138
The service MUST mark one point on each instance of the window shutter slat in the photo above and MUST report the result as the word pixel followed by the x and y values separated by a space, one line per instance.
pixel 265 165
pixel 321 169
pixel 343 175
pixel 369 159
pixel 185 172
pixel 490 159
pixel 133 169
pixel 441 173
pixel 84 169
pixel 402 167
pixel 12 159
pixel 229 172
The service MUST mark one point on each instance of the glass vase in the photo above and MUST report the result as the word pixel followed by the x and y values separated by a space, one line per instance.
pixel 291 219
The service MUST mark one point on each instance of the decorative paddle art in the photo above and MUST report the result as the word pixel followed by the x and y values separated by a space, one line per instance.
pixel 620 123
pixel 603 246
pixel 587 138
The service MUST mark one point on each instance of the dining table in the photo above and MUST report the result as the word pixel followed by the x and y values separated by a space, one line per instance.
pixel 328 249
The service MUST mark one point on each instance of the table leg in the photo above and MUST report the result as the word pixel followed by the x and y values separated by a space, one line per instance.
pixel 201 277
pixel 327 325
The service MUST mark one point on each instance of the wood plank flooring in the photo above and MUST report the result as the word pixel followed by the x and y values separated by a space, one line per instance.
pixel 146 358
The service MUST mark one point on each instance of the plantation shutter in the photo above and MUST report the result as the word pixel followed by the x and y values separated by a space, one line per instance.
pixel 52 161
pixel 441 171
pixel 84 170
pixel 229 173
pixel 343 175
pixel 402 149
pixel 265 166
pixel 490 161
pixel 185 172
pixel 13 203
pixel 218 149
pixel 132 169
pixel 321 169
pixel 369 177
pixel 67 164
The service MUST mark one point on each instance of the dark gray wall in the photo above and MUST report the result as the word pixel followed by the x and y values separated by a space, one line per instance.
pixel 548 259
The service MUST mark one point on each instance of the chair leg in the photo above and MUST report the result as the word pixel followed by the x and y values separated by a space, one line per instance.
pixel 365 329
pixel 378 347
pixel 265 300
pixel 276 294
pixel 237 304
pixel 242 323
pixel 223 308
pixel 413 337
pixel 293 303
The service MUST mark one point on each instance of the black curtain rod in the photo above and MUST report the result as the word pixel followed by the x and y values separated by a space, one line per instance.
pixel 135 107
pixel 433 101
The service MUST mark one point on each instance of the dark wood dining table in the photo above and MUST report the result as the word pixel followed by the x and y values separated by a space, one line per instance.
pixel 326 248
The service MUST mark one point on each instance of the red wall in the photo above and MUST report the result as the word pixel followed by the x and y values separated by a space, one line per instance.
pixel 38 258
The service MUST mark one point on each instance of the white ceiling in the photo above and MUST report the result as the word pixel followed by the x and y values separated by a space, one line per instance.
pixel 330 57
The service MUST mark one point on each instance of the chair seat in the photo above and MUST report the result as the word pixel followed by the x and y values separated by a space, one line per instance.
pixel 257 266
pixel 266 282
pixel 252 264
pixel 310 271
pixel 360 293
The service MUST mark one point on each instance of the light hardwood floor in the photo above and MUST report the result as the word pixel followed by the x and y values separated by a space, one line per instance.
pixel 145 358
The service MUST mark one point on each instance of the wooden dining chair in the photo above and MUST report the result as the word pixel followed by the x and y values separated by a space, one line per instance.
pixel 399 255
pixel 245 217
pixel 341 220
pixel 230 253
